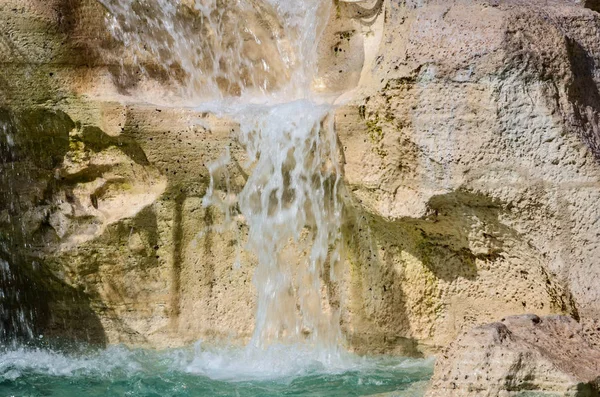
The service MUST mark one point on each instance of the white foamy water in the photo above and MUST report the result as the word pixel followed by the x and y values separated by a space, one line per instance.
pixel 283 370
pixel 204 50
pixel 290 204
pixel 276 363
pixel 23 361
pixel 230 56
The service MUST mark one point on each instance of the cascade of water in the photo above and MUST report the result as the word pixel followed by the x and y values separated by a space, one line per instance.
pixel 261 51
pixel 290 205
pixel 211 49
pixel 16 315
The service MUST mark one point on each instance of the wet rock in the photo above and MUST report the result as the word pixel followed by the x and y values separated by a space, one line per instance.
pixel 469 134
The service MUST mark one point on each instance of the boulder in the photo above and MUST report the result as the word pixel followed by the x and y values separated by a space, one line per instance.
pixel 518 354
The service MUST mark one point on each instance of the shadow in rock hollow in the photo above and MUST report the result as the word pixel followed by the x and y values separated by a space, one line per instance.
pixel 406 272
pixel 34 188
pixel 592 5
pixel 376 304
pixel 584 93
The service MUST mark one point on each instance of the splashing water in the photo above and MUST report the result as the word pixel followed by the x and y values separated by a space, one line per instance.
pixel 290 205
pixel 214 49
pixel 16 314
pixel 15 318
pixel 260 51
pixel 253 61
pixel 118 371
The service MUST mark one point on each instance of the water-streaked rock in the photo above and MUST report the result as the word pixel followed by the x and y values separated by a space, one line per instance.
pixel 469 132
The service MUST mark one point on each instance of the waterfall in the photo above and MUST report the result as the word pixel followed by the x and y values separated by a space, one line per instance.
pixel 214 49
pixel 290 205
pixel 20 310
pixel 254 61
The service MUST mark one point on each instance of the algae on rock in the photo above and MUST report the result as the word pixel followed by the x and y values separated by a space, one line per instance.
pixel 470 161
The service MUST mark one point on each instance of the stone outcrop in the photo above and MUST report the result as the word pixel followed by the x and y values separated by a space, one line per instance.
pixel 471 160
pixel 519 354
pixel 102 224
pixel 469 132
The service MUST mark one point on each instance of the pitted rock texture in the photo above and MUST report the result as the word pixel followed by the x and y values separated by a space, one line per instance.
pixel 471 163
pixel 519 354
pixel 469 132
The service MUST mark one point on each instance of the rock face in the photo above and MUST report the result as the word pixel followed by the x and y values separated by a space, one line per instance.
pixel 471 161
pixel 469 131
pixel 519 354
pixel 104 238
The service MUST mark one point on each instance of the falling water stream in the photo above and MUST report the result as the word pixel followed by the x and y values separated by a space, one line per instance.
pixel 252 61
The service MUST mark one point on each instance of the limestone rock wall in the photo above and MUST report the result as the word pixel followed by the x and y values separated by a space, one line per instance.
pixel 471 164
pixel 103 231
pixel 469 132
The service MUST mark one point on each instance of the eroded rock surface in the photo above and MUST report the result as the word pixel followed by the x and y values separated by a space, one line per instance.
pixel 471 158
pixel 519 354
pixel 469 132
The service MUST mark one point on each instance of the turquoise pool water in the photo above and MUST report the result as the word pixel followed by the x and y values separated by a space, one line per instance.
pixel 195 371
